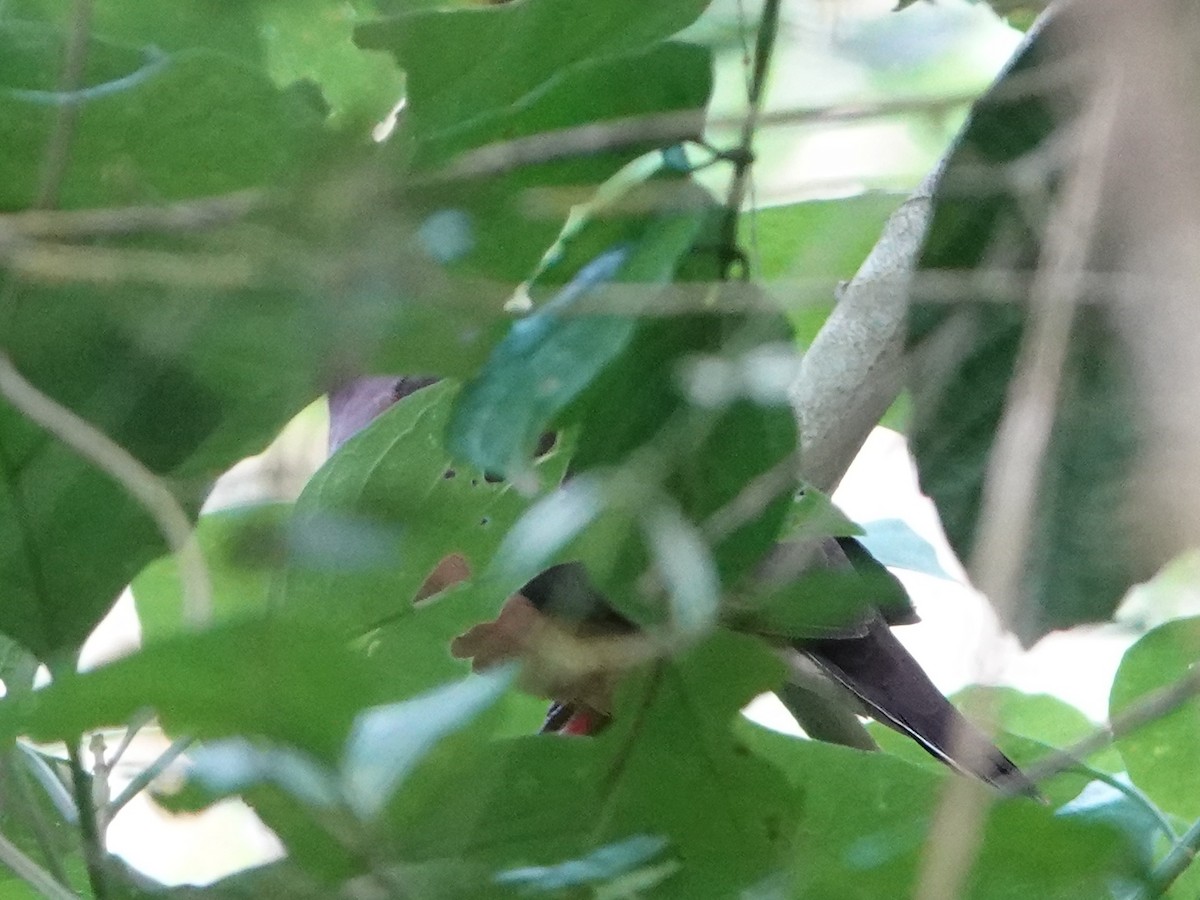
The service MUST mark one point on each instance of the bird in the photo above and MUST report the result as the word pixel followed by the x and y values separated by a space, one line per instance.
pixel 859 667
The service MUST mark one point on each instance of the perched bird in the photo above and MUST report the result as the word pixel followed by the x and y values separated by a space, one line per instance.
pixel 858 667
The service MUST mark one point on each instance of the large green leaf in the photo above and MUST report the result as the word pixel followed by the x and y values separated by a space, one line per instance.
pixel 546 801
pixel 464 63
pixel 297 40
pixel 145 123
pixel 390 505
pixel 1160 756
pixel 295 684
pixel 866 827
pixel 1080 557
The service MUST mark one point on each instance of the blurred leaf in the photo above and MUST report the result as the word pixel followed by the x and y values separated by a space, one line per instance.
pixel 244 549
pixel 816 604
pixel 814 515
pixel 300 40
pixel 518 213
pixel 895 544
pixel 388 742
pixel 1080 561
pixel 143 121
pixel 680 556
pixel 866 818
pixel 266 679
pixel 546 359
pixel 31 820
pixel 669 753
pixel 467 62
pixel 1160 756
pixel 602 864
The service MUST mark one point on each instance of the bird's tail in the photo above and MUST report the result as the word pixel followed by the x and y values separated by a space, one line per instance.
pixel 895 690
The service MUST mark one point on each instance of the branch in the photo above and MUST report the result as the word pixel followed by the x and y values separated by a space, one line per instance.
pixel 143 778
pixel 1174 864
pixel 111 458
pixel 852 372
pixel 90 833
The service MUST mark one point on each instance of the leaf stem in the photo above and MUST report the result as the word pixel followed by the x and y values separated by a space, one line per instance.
pixel 143 778
pixel 33 874
pixel 109 457
pixel 1174 863
pixel 89 824
pixel 58 150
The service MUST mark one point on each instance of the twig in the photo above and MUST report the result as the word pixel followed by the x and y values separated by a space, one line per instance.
pixel 33 874
pixel 94 851
pixel 143 485
pixel 658 128
pixel 743 156
pixel 1149 709
pixel 1174 864
pixel 144 778
pixel 191 215
pixel 58 150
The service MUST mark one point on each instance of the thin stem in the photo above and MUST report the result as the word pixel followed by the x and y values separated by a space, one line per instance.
pixel 743 156
pixel 41 829
pixel 89 826
pixel 33 874
pixel 111 458
pixel 1174 864
pixel 58 150
pixel 143 778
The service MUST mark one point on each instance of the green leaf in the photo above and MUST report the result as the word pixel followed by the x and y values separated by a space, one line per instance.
pixel 1081 558
pixel 550 357
pixel 244 548
pixel 144 119
pixel 600 865
pixel 267 679
pixel 388 742
pixel 300 40
pixel 464 63
pixel 542 364
pixel 814 515
pixel 867 818
pixel 30 819
pixel 1160 755
pixel 390 505
pixel 669 753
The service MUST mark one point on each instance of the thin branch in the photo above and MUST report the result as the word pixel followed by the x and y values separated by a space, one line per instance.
pixel 743 156
pixel 1145 711
pixel 94 851
pixel 33 874
pixel 58 151
pixel 1174 864
pixel 191 215
pixel 143 485
pixel 661 128
pixel 144 778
